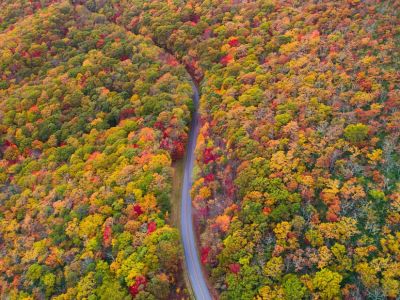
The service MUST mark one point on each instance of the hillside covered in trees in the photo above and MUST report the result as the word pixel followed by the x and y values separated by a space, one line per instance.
pixel 296 187
pixel 91 117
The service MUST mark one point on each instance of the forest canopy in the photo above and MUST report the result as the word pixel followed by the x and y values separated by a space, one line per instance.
pixel 296 184
pixel 297 189
pixel 92 117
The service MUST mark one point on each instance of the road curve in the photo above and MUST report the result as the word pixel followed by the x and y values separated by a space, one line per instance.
pixel 192 261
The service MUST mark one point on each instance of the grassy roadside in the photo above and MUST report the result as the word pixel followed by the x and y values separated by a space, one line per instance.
pixel 175 218
pixel 177 179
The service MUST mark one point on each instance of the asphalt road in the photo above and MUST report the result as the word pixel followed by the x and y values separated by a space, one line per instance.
pixel 192 260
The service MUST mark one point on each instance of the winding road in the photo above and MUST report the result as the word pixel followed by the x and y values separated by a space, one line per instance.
pixel 192 261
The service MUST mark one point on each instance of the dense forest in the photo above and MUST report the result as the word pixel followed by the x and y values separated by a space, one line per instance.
pixel 91 117
pixel 296 189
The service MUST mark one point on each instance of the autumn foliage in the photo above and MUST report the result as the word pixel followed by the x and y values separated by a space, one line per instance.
pixel 85 180
pixel 296 188
pixel 299 132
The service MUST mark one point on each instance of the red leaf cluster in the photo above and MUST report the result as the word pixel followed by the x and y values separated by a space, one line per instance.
pixel 140 283
pixel 100 43
pixel 234 268
pixel 209 177
pixel 151 227
pixel 126 113
pixel 137 209
pixel 204 255
pixel 208 156
pixel 107 235
pixel 226 59
pixel 178 150
pixel 234 42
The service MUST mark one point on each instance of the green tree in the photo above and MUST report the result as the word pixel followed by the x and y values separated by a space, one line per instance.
pixel 326 284
pixel 356 133
pixel 294 288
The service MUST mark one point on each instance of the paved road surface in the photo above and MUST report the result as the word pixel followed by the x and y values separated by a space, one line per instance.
pixel 192 259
